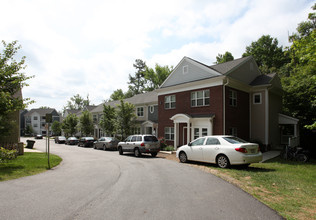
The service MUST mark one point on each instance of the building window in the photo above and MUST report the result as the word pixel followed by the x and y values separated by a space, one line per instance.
pixel 196 133
pixel 257 98
pixel 200 98
pixel 204 132
pixel 140 111
pixel 35 125
pixel 185 69
pixel 170 102
pixel 233 131
pixel 151 109
pixel 95 119
pixel 169 133
pixel 232 98
pixel 35 118
pixel 137 130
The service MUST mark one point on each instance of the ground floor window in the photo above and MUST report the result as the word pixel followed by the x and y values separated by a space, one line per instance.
pixel 233 131
pixel 169 133
pixel 200 132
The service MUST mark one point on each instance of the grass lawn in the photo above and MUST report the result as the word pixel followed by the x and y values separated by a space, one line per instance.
pixel 26 165
pixel 288 187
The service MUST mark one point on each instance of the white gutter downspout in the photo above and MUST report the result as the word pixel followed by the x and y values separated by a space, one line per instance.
pixel 224 106
pixel 266 116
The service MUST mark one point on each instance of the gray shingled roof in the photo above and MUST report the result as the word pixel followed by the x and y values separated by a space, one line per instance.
pixel 40 111
pixel 226 67
pixel 262 80
pixel 145 98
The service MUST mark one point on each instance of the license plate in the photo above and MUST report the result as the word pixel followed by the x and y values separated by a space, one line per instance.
pixel 252 151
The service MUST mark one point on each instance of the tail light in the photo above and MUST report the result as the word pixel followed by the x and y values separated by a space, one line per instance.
pixel 241 149
pixel 142 144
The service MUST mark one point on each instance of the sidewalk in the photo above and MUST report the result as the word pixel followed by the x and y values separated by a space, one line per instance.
pixel 32 150
pixel 269 155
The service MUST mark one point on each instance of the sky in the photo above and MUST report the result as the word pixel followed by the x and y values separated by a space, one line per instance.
pixel 88 47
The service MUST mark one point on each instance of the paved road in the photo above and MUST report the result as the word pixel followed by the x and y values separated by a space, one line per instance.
pixel 95 184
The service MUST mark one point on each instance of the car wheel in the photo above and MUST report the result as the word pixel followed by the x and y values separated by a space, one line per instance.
pixel 104 147
pixel 183 157
pixel 137 152
pixel 153 154
pixel 120 150
pixel 222 161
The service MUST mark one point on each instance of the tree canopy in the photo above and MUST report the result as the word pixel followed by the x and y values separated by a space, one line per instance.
pixel 268 55
pixel 77 103
pixel 12 80
pixel 222 58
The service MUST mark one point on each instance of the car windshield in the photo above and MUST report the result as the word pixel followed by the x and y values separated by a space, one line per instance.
pixel 62 138
pixel 234 140
pixel 150 138
pixel 72 138
pixel 89 138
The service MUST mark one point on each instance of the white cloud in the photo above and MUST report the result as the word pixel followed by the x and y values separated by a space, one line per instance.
pixel 89 47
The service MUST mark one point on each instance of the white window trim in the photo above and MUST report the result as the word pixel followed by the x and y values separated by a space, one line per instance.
pixel 170 102
pixel 253 98
pixel 204 98
pixel 139 107
pixel 151 109
pixel 233 96
pixel 185 69
pixel 169 132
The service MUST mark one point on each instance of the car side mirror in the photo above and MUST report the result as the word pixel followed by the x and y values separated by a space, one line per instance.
pixel 190 144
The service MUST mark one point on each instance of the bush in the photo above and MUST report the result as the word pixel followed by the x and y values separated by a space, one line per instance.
pixel 168 148
pixel 162 143
pixel 6 155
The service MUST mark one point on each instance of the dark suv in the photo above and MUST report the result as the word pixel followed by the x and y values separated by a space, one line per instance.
pixel 140 144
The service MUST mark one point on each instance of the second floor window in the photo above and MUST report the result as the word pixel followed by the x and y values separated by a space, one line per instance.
pixel 170 102
pixel 232 98
pixel 140 111
pixel 200 98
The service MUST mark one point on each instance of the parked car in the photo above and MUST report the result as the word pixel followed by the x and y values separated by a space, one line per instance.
pixel 72 141
pixel 221 150
pixel 140 144
pixel 106 143
pixel 60 140
pixel 38 136
pixel 86 142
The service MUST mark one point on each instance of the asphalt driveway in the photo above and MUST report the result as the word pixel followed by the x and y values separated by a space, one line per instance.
pixel 96 184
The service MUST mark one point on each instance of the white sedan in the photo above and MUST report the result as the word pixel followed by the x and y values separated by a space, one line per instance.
pixel 221 150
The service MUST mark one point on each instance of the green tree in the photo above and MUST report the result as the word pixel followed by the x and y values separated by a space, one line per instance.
pixel 137 82
pixel 12 80
pixel 69 125
pixel 155 77
pixel 86 123
pixel 108 121
pixel 300 84
pixel 56 128
pixel 126 118
pixel 28 130
pixel 268 55
pixel 117 95
pixel 77 103
pixel 222 58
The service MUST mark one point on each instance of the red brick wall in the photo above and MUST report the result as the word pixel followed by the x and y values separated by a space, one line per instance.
pixel 238 117
pixel 183 105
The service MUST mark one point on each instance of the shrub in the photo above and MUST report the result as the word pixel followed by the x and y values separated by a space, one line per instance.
pixel 168 148
pixel 162 143
pixel 6 155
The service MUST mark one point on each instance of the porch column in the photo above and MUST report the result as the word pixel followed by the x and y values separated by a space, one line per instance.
pixel 175 140
pixel 188 132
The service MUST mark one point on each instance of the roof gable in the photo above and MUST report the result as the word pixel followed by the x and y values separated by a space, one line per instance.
pixel 189 70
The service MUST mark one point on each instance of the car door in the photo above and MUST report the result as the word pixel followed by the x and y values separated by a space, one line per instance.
pixel 100 142
pixel 196 149
pixel 211 149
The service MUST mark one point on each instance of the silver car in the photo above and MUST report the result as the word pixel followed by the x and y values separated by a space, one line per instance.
pixel 106 143
pixel 139 144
